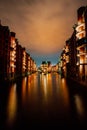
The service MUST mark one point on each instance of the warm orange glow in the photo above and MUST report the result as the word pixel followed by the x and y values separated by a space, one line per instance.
pixel 64 90
pixel 13 44
pixel 12 104
pixel 80 28
pixel 67 49
pixel 86 69
pixel 45 24
pixel 81 34
pixel 81 69
pixel 24 89
pixel 82 59
pixel 67 59
pixel 81 20
pixel 45 85
pixel 79 105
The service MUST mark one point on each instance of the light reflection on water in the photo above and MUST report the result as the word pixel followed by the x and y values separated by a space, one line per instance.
pixel 12 104
pixel 24 89
pixel 79 105
pixel 65 92
pixel 44 84
pixel 39 92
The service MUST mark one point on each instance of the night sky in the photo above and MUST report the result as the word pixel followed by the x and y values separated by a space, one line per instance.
pixel 41 26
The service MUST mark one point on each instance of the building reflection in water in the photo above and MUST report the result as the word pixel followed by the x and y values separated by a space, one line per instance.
pixel 78 102
pixel 24 89
pixel 44 82
pixel 29 89
pixel 65 92
pixel 48 95
pixel 12 105
pixel 79 108
pixel 29 83
pixel 79 105
pixel 46 86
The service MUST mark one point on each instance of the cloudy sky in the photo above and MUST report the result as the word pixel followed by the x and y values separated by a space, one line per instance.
pixel 42 26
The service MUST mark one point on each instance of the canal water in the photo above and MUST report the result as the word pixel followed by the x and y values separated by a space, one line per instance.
pixel 41 101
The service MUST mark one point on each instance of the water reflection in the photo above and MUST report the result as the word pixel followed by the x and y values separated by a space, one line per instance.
pixel 44 83
pixel 12 104
pixel 24 83
pixel 79 105
pixel 40 97
pixel 29 89
pixel 46 86
pixel 65 92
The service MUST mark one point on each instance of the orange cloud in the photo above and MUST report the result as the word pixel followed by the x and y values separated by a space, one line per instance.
pixel 42 26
